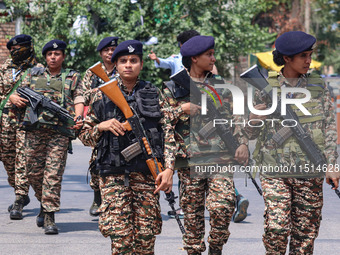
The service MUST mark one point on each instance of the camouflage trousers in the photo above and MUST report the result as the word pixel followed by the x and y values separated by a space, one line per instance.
pixel 12 154
pixel 46 154
pixel 219 194
pixel 130 215
pixel 292 208
pixel 94 182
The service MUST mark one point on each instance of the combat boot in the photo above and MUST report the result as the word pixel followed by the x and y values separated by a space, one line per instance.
pixel 241 209
pixel 16 211
pixel 96 204
pixel 214 252
pixel 49 224
pixel 40 217
pixel 26 202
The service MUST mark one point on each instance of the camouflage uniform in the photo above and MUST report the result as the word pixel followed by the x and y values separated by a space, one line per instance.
pixel 88 82
pixel 129 215
pixel 217 190
pixel 11 143
pixel 293 201
pixel 46 144
pixel 130 231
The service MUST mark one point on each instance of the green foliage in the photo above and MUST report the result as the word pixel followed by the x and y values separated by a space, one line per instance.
pixel 326 22
pixel 229 21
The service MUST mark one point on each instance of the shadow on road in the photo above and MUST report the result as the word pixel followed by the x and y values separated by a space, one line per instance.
pixel 77 226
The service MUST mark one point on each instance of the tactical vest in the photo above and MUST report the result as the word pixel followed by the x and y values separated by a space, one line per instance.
pixel 96 81
pixel 316 88
pixel 60 91
pixel 145 101
pixel 200 151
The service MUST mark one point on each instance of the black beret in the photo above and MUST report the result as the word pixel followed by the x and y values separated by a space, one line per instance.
pixel 294 42
pixel 19 40
pixel 107 42
pixel 130 47
pixel 54 45
pixel 197 45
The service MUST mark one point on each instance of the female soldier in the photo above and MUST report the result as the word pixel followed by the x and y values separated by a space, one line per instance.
pixel 91 83
pixel 48 138
pixel 293 201
pixel 198 58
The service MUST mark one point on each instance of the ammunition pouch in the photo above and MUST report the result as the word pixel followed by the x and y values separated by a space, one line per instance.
pixel 123 154
pixel 287 147
pixel 282 135
pixel 59 91
pixel 148 101
pixel 207 130
pixel 132 151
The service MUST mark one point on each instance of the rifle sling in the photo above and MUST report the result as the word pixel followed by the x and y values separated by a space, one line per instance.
pixel 268 88
pixel 183 79
pixel 3 103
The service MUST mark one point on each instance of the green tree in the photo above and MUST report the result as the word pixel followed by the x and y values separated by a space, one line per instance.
pixel 229 21
pixel 282 16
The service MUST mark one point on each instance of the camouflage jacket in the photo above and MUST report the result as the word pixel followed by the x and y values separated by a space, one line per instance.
pixel 6 85
pixel 90 134
pixel 66 95
pixel 89 79
pixel 320 126
pixel 6 81
pixel 189 145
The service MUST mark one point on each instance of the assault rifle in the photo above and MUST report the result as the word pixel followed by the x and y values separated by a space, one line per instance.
pixel 111 89
pixel 255 78
pixel 182 78
pixel 35 100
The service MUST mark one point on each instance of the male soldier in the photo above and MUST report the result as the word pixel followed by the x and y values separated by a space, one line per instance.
pixel 91 83
pixel 293 198
pixel 48 139
pixel 198 58
pixel 13 74
pixel 130 210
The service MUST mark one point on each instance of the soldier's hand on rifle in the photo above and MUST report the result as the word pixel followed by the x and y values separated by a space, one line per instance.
pixel 253 116
pixel 79 122
pixel 18 101
pixel 191 109
pixel 242 154
pixel 164 181
pixel 112 125
pixel 334 176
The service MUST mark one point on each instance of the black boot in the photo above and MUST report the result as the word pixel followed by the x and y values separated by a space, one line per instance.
pixel 40 217
pixel 49 224
pixel 96 204
pixel 16 211
pixel 214 252
pixel 26 202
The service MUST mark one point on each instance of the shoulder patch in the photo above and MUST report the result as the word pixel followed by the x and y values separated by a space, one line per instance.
pixel 72 72
pixel 315 80
pixel 272 74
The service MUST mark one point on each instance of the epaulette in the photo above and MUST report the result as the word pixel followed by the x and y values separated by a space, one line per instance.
pixel 272 79
pixel 315 80
pixel 36 71
pixel 272 74
pixel 71 73
pixel 217 77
